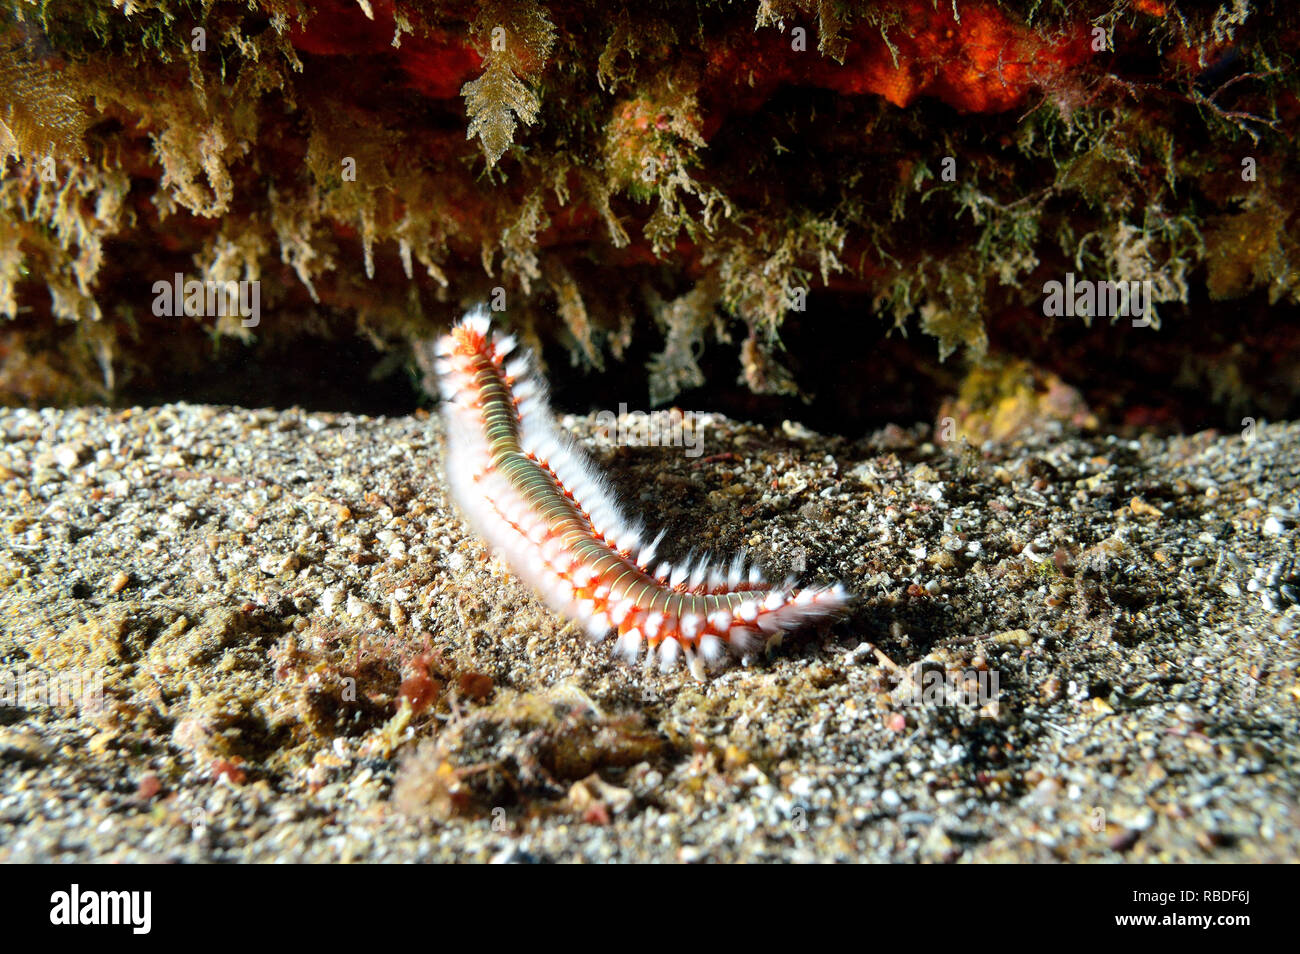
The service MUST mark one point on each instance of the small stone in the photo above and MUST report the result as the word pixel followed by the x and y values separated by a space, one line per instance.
pixel 330 599
pixel 23 745
pixel 942 559
pixel 1047 790
pixel 67 456
pixel 1143 509
pixel 149 786
pixel 276 564
pixel 1014 637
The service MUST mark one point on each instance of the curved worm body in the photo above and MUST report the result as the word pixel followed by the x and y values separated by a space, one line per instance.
pixel 533 496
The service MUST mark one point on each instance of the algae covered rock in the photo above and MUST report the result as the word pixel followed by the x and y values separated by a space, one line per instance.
pixel 692 192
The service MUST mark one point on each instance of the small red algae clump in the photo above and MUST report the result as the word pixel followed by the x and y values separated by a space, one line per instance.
pixel 438 68
pixel 436 64
pixel 475 686
pixel 230 769
pixel 419 688
pixel 985 62
pixel 149 786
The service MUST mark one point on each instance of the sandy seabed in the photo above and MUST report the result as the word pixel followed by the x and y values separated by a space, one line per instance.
pixel 268 636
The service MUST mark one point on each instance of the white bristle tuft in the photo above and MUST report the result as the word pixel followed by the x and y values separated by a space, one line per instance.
pixel 648 554
pixel 551 549
pixel 669 649
pixel 598 627
pixel 736 572
pixel 695 664
pixel 629 645
pixel 712 648
pixel 619 611
pixel 743 641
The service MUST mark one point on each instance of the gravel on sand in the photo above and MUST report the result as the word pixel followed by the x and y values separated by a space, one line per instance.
pixel 245 635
